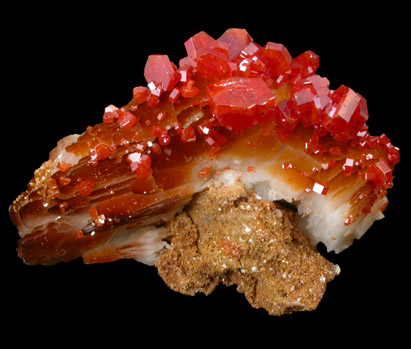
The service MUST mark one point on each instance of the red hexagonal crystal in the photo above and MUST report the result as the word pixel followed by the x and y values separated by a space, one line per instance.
pixel 110 114
pixel 140 164
pixel 99 152
pixel 319 87
pixel 251 63
pixel 286 115
pixel 249 50
pixel 209 56
pixel 318 84
pixel 140 94
pixel 237 102
pixel 380 174
pixel 162 72
pixel 197 43
pixel 236 39
pixel 126 119
pixel 306 107
pixel 311 95
pixel 346 113
pixel 277 58
pixel 213 64
pixel 161 134
pixel 308 63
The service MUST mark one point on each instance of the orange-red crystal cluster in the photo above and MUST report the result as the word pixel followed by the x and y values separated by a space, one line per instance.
pixel 242 77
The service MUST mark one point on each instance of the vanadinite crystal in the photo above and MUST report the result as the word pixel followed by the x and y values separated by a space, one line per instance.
pixel 346 114
pixel 241 102
pixel 229 104
pixel 161 72
pixel 236 84
pixel 244 84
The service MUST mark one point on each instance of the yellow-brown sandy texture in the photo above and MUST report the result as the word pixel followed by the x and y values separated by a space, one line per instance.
pixel 229 235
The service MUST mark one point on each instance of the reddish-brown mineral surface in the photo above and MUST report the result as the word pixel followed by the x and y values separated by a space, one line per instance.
pixel 228 99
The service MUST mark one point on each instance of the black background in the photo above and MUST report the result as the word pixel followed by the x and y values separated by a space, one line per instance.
pixel 65 64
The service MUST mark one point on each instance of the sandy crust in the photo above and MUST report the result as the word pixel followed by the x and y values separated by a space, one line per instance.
pixel 233 237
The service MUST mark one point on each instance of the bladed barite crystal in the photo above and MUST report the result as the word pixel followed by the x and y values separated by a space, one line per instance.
pixel 230 109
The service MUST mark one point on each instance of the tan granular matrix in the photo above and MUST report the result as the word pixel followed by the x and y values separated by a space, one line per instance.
pixel 231 236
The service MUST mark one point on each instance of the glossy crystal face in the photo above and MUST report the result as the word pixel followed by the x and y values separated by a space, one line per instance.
pixel 229 98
